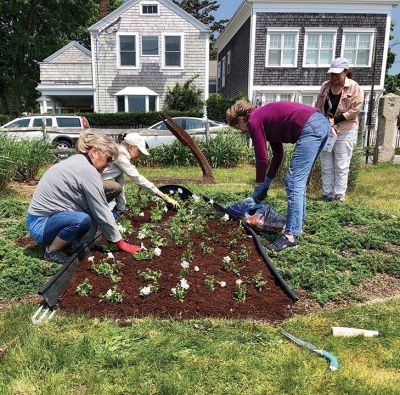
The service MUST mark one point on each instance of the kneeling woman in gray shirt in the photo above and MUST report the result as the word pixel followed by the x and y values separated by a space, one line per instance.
pixel 69 200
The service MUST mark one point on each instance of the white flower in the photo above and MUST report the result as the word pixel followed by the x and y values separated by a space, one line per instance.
pixel 184 283
pixel 196 198
pixel 145 291
pixel 121 228
pixel 211 201
pixel 155 198
pixel 157 251
pixel 141 235
pixel 173 291
pixel 171 192
pixel 185 264
pixel 226 217
pixel 196 268
pixel 239 282
pixel 166 209
pixel 141 214
pixel 109 293
pixel 91 259
pixel 110 255
pixel 142 247
pixel 226 259
pixel 222 284
pixel 180 190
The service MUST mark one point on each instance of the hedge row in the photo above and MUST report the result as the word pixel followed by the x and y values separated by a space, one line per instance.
pixel 132 120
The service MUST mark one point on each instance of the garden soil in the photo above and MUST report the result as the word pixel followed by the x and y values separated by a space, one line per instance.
pixel 271 304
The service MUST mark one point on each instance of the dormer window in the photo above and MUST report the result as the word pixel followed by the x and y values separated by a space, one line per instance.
pixel 149 9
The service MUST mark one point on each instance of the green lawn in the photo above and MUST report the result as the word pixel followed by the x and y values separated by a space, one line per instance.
pixel 77 355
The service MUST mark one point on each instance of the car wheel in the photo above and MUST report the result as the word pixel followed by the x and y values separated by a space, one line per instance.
pixel 63 145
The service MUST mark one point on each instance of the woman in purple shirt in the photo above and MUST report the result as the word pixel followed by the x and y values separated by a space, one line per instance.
pixel 279 123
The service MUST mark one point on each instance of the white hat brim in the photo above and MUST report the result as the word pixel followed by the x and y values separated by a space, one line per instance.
pixel 335 70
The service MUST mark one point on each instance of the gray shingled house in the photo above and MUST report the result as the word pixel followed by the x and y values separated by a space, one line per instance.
pixel 281 49
pixel 138 51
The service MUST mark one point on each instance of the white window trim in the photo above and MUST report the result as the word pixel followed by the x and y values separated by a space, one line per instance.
pixel 278 94
pixel 136 50
pixel 149 3
pixel 223 72
pixel 359 30
pixel 218 75
pixel 313 94
pixel 282 30
pixel 141 44
pixel 318 30
pixel 126 102
pixel 182 66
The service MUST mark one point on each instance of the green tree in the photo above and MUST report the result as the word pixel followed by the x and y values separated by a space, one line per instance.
pixel 201 10
pixel 392 82
pixel 184 97
pixel 30 31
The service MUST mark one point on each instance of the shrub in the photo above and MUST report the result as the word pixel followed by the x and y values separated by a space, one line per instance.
pixel 228 149
pixel 218 104
pixel 183 97
pixel 132 120
pixel 7 165
pixel 4 119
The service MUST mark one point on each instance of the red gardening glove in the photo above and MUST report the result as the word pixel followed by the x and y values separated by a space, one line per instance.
pixel 126 247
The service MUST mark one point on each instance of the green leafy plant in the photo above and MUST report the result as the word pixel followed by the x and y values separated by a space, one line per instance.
pixel 106 268
pixel 188 253
pixel 257 281
pixel 240 292
pixel 158 211
pixel 243 255
pixel 150 275
pixel 206 249
pixel 144 255
pixel 112 296
pixel 210 283
pixel 157 240
pixel 230 266
pixel 178 293
pixel 84 288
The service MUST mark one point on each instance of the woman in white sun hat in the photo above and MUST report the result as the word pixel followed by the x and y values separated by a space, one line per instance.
pixel 340 99
pixel 131 148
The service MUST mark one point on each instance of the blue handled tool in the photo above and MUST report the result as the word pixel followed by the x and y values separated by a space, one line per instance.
pixel 334 364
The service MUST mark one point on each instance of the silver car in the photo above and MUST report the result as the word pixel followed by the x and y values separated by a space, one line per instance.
pixel 159 134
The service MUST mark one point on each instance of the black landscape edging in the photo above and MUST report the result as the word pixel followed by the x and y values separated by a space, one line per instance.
pixel 57 284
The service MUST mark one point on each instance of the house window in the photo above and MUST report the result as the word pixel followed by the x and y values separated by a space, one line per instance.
pixel 218 75
pixel 120 103
pixel 152 103
pixel 228 62
pixel 319 48
pixel 282 48
pixel 150 45
pixel 309 100
pixel 357 47
pixel 223 71
pixel 149 9
pixel 173 54
pixel 273 97
pixel 127 50
pixel 136 103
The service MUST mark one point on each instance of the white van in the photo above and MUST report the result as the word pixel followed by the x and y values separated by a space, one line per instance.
pixel 62 130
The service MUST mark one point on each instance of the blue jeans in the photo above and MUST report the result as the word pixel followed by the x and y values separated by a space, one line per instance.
pixel 68 226
pixel 309 145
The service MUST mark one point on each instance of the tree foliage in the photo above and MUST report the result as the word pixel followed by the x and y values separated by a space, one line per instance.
pixel 201 10
pixel 184 97
pixel 392 82
pixel 30 31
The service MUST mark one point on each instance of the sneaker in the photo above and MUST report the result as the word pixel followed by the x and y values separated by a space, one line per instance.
pixel 57 256
pixel 328 197
pixel 272 220
pixel 282 243
pixel 339 197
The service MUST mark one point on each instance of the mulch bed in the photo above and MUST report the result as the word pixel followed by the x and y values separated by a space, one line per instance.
pixel 271 304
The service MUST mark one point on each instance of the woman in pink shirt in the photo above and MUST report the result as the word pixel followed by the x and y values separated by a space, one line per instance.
pixel 279 123
pixel 340 100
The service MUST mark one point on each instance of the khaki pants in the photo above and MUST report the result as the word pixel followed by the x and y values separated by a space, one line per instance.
pixel 112 189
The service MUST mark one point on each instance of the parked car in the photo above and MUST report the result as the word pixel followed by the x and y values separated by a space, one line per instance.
pixel 62 130
pixel 159 134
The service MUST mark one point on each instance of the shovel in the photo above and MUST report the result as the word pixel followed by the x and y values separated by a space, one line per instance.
pixel 334 364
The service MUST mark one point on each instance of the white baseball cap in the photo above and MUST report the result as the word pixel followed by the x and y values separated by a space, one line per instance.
pixel 137 140
pixel 338 65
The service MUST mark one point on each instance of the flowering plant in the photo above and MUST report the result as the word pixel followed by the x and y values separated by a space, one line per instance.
pixel 112 296
pixel 241 291
pixel 84 289
pixel 209 282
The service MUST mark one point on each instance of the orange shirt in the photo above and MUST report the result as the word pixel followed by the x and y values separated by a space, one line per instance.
pixel 349 106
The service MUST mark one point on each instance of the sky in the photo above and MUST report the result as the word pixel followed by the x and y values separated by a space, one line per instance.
pixel 228 7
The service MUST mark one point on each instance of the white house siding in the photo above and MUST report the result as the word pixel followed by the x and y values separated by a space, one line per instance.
pixel 109 79
pixel 72 67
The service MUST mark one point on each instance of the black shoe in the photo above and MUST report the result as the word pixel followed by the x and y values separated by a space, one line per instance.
pixel 328 197
pixel 57 256
pixel 282 243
